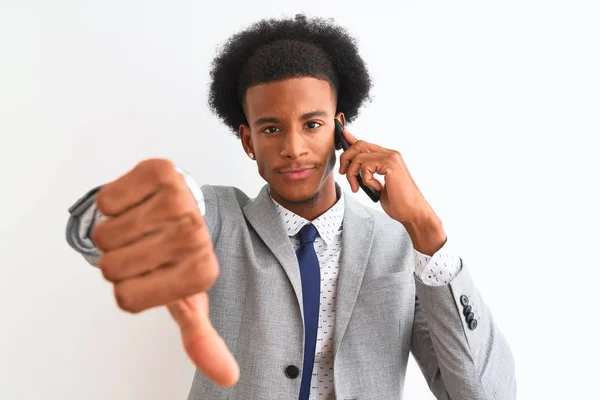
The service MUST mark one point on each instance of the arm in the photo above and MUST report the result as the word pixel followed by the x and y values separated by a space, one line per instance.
pixel 461 357
pixel 152 220
pixel 455 341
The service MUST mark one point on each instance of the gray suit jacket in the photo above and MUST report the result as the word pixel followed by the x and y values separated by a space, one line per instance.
pixel 382 313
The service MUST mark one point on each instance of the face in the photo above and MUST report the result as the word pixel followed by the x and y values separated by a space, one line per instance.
pixel 291 134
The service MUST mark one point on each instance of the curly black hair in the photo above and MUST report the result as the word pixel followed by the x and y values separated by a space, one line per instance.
pixel 272 50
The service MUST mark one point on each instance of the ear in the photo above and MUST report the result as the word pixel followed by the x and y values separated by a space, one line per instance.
pixel 246 139
pixel 342 118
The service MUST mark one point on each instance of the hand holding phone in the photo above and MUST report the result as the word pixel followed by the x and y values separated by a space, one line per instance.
pixel 341 141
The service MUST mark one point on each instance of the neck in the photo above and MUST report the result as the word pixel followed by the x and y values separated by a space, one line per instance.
pixel 311 209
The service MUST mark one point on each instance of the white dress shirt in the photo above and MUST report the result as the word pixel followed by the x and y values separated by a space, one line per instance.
pixel 436 270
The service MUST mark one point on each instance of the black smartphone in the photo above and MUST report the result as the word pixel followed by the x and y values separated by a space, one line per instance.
pixel 341 141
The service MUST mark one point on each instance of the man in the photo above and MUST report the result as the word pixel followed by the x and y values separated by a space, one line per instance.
pixel 314 295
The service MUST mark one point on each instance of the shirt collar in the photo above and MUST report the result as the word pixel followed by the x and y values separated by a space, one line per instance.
pixel 328 224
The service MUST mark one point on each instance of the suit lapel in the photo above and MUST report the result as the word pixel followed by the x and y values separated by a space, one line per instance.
pixel 357 239
pixel 263 217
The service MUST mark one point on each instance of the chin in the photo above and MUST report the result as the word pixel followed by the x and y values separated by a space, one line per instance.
pixel 300 192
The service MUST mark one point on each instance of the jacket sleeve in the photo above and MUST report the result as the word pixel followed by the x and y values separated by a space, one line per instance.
pixel 457 345
pixel 83 216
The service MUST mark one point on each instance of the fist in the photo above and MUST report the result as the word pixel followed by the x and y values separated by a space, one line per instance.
pixel 156 251
pixel 155 246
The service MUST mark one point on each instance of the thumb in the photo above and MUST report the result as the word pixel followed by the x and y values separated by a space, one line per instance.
pixel 202 343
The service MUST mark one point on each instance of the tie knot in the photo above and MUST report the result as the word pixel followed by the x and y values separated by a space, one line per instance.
pixel 308 233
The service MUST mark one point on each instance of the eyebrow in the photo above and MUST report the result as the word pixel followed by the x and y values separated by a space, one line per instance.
pixel 308 115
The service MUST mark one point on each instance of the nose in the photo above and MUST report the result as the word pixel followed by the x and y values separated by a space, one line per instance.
pixel 294 145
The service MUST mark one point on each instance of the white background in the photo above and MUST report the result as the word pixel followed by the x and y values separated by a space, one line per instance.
pixel 494 105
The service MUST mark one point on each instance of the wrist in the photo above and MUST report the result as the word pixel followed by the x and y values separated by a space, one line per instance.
pixel 427 234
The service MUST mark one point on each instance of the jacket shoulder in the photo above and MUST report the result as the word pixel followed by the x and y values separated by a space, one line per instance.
pixel 225 195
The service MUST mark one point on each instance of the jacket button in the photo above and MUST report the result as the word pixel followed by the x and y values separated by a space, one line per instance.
pixel 470 317
pixel 292 372
pixel 464 300
pixel 473 324
pixel 467 310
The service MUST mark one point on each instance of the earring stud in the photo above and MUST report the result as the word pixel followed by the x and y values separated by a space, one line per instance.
pixel 251 155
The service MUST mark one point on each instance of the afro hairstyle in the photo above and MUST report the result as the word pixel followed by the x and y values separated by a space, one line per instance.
pixel 273 50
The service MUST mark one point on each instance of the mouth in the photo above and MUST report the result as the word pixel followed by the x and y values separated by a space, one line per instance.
pixel 296 174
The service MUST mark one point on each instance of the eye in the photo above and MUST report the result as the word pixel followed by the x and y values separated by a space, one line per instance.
pixel 313 127
pixel 269 129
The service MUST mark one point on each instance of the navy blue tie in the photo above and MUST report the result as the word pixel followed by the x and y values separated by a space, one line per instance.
pixel 311 296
